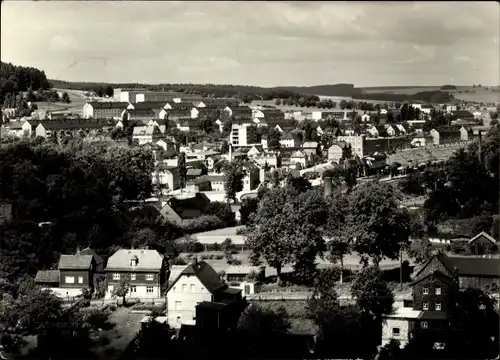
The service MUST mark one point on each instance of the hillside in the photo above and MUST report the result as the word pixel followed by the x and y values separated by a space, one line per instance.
pixel 326 90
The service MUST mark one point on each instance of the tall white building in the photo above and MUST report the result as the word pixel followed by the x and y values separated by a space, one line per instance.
pixel 239 135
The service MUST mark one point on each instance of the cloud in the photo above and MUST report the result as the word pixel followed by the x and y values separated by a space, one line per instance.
pixel 255 42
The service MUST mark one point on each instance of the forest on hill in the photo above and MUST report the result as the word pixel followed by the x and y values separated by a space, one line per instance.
pixel 15 79
pixel 423 96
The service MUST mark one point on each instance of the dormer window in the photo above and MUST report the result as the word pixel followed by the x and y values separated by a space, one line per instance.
pixel 134 260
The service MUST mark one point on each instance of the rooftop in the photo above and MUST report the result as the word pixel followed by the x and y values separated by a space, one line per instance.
pixel 80 262
pixel 147 260
pixel 47 276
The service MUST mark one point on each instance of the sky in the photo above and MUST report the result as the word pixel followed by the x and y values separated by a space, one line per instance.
pixel 256 43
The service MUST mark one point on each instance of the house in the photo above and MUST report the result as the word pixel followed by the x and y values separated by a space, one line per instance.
pixel 402 130
pixel 357 143
pixel 251 180
pixel 99 261
pixel 47 278
pixel 482 244
pixel 19 128
pixel 392 130
pixel 298 157
pixel 239 112
pixel 143 269
pixel 365 117
pixel 255 150
pixel 104 110
pixel 289 140
pixel 465 133
pixel 373 131
pixel 198 287
pixel 433 294
pixel 464 115
pixel 338 151
pixel 183 210
pixel 310 147
pixel 446 135
pixel 166 177
pixel 175 114
pixel 146 134
pixel 48 128
pixel 77 271
pixel 183 105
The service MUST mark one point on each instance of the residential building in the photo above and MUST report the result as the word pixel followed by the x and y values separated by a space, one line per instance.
pixel 451 108
pixel 104 110
pixel 338 151
pixel 357 143
pixel 89 127
pixel 251 180
pixel 464 115
pixel 182 105
pixel 198 287
pixel 392 130
pixel 19 128
pixel 434 287
pixel 446 135
pixel 76 271
pixel 146 134
pixel 143 269
pixel 365 118
pixel 166 177
pixel 239 112
pixel 299 159
pixel 310 147
pixel 289 140
pixel 143 115
pixel 239 135
pixel 183 210
pixel 155 106
pixel 175 114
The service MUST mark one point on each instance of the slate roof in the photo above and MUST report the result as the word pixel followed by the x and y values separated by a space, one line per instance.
pixel 73 125
pixel 98 260
pixel 490 238
pixel 149 105
pixel 143 112
pixel 205 273
pixel 80 262
pixel 47 276
pixel 473 266
pixel 149 260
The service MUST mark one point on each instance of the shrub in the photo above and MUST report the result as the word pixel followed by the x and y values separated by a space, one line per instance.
pixel 234 261
pixel 203 223
pixel 219 257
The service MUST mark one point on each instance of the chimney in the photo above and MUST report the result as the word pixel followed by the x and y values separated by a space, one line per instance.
pixel 327 186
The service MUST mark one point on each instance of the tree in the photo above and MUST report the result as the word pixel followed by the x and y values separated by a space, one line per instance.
pixel 277 102
pixel 371 293
pixel 222 210
pixel 65 98
pixel 325 298
pixel 225 147
pixel 273 139
pixel 248 207
pixel 286 229
pixel 390 351
pixel 338 245
pixel 181 164
pixel 31 313
pixel 234 172
pixel 227 247
pixel 300 184
pixel 257 320
pixel 378 227
pixel 121 290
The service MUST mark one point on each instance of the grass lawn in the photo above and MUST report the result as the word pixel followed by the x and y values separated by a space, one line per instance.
pixel 126 328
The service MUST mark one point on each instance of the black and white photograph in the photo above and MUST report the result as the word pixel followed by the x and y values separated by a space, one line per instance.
pixel 249 180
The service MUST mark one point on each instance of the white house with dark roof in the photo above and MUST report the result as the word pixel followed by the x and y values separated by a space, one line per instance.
pixel 141 268
pixel 197 283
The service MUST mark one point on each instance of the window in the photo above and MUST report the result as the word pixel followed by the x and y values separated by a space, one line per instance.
pixel 438 291
pixel 133 289
pixel 426 291
pixel 178 305
pixel 149 277
pixel 184 287
pixel 424 325
pixel 80 279
pixel 69 279
pixel 116 276
pixel 438 306
pixel 395 332
pixel 426 306
pixel 149 289
pixel 191 287
pixel 132 276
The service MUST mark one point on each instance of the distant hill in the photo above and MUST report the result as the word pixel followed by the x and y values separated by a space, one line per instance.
pixel 326 90
pixel 423 96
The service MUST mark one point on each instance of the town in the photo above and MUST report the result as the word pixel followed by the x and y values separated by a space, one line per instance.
pixel 220 221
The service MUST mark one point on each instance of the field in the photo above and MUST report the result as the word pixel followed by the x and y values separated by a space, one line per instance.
pixel 479 95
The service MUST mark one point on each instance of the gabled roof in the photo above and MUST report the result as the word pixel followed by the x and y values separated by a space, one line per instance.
pixel 476 267
pixel 437 274
pixel 148 260
pixel 47 276
pixel 142 112
pixel 80 262
pixel 490 238
pixel 298 153
pixel 205 273
pixel 88 251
